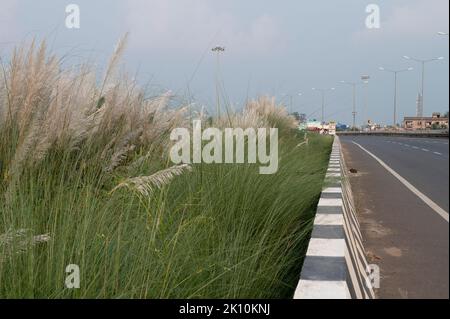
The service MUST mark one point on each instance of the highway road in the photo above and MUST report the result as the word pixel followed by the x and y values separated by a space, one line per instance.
pixel 401 191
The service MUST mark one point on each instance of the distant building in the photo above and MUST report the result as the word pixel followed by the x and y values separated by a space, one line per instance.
pixel 322 128
pixel 423 122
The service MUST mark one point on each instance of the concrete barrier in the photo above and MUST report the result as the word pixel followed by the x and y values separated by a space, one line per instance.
pixel 335 266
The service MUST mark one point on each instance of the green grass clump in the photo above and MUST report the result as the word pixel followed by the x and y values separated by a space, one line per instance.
pixel 210 231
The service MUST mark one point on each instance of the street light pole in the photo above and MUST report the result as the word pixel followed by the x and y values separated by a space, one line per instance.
pixel 218 50
pixel 323 91
pixel 422 87
pixel 420 113
pixel 365 80
pixel 354 105
pixel 322 118
pixel 299 94
pixel 290 104
pixel 353 84
pixel 395 72
pixel 395 99
pixel 291 100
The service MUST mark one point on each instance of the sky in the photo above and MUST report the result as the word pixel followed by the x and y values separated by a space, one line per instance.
pixel 275 48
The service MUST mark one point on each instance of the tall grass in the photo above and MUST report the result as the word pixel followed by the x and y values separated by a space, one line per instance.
pixel 86 180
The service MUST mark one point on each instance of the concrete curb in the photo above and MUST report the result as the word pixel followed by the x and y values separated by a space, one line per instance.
pixel 335 265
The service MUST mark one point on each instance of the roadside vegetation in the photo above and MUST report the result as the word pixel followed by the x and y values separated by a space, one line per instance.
pixel 86 179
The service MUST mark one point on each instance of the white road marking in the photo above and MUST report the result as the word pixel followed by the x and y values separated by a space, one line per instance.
pixel 416 192
pixel 423 149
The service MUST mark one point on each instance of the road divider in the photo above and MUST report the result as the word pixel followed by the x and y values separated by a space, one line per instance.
pixel 335 266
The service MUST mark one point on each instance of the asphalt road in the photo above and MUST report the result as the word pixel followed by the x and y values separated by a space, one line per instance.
pixel 407 238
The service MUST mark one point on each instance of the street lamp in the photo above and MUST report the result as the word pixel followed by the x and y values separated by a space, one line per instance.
pixel 323 91
pixel 442 33
pixel 395 72
pixel 291 98
pixel 365 80
pixel 299 104
pixel 218 50
pixel 353 84
pixel 422 62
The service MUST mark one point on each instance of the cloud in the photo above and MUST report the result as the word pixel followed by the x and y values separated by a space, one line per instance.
pixel 192 25
pixel 412 19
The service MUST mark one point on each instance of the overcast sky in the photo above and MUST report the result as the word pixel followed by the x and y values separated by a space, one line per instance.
pixel 272 47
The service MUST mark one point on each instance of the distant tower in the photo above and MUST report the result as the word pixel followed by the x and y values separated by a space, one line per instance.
pixel 419 105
